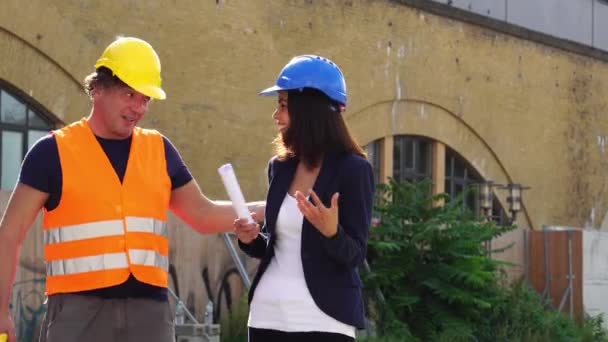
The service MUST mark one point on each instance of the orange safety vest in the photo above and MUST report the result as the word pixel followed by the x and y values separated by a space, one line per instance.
pixel 103 230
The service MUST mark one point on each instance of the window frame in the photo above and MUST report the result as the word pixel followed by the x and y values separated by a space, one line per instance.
pixel 31 108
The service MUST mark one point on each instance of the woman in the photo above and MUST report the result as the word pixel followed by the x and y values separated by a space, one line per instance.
pixel 318 213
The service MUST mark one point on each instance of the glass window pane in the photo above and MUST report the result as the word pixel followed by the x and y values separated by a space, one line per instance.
pixel 412 158
pixel 470 201
pixel 397 175
pixel 36 121
pixel 448 166
pixel 424 166
pixel 12 154
pixel 461 174
pixel 397 156
pixel 457 189
pixel 12 111
pixel 33 136
pixel 408 146
pixel 417 147
pixel 458 168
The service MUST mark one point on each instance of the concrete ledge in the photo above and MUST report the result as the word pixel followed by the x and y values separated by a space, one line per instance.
pixel 505 27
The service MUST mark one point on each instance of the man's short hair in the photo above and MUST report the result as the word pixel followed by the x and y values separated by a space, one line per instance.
pixel 102 78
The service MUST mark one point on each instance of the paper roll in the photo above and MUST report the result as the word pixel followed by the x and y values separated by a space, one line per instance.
pixel 234 192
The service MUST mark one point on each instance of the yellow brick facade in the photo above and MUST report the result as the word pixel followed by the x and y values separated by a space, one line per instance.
pixel 517 110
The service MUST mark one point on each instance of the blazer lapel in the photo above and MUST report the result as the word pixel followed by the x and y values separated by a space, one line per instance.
pixel 326 175
pixel 283 173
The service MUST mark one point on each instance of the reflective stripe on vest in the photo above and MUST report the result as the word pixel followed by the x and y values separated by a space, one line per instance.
pixel 109 261
pixel 83 231
pixel 141 257
pixel 104 228
pixel 146 257
pixel 87 264
pixel 147 225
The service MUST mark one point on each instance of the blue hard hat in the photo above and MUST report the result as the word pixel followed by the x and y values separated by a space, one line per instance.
pixel 310 71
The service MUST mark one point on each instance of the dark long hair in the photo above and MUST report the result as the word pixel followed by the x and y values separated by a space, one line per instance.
pixel 316 128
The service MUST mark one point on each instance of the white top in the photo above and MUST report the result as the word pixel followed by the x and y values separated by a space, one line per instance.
pixel 282 300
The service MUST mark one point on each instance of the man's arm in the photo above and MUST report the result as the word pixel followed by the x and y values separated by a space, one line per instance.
pixel 22 208
pixel 204 215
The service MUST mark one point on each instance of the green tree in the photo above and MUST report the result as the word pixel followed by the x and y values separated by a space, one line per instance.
pixel 439 282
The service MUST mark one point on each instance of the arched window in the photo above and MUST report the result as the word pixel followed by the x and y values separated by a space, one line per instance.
pixel 415 158
pixel 21 124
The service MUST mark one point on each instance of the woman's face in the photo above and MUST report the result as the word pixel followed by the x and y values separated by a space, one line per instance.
pixel 281 115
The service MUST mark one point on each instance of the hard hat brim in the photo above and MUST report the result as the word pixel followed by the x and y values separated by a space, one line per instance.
pixel 271 91
pixel 151 91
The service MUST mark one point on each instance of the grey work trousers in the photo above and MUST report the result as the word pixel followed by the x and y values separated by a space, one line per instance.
pixel 78 318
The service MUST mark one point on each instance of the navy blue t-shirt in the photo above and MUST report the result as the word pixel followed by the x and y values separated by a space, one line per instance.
pixel 41 169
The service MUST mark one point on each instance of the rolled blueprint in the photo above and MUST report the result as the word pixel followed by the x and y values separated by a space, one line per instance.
pixel 234 192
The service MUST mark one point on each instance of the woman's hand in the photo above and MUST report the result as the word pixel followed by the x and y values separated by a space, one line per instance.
pixel 323 218
pixel 246 232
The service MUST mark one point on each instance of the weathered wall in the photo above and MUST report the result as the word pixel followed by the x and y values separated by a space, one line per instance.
pixel 535 111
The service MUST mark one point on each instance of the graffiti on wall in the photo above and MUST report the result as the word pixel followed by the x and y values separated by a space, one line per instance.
pixel 222 294
pixel 27 307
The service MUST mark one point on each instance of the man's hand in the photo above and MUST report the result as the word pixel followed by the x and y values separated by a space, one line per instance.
pixel 323 218
pixel 7 327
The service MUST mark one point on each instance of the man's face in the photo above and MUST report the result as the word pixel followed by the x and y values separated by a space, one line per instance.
pixel 120 108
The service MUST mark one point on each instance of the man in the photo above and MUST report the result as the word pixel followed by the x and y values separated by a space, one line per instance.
pixel 105 186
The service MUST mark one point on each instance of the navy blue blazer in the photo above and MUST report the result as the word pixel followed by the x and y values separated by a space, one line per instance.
pixel 330 264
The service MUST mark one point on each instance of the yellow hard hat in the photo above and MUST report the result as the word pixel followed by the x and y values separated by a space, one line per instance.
pixel 136 63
